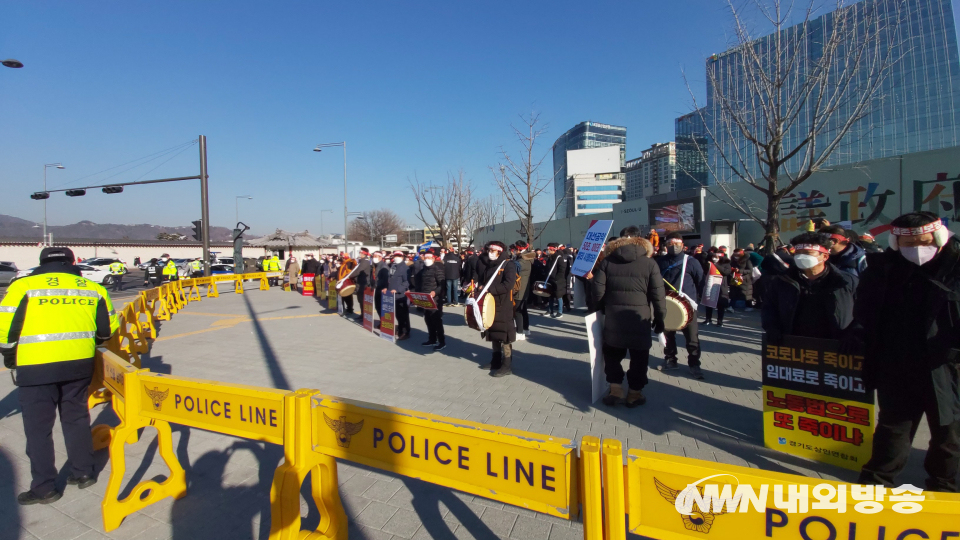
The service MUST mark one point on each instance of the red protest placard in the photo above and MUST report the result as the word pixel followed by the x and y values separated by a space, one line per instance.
pixel 422 300
pixel 368 309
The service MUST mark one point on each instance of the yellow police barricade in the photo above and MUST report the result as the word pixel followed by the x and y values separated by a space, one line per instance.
pixel 193 286
pixel 591 494
pixel 674 498
pixel 148 327
pixel 516 467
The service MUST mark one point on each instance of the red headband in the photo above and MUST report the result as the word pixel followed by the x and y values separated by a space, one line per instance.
pixel 916 231
pixel 839 238
pixel 812 247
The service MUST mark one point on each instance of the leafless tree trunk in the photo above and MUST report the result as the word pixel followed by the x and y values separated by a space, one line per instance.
pixel 446 207
pixel 521 182
pixel 485 212
pixel 375 225
pixel 782 104
pixel 461 192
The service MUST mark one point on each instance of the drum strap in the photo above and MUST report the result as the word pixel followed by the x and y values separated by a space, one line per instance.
pixel 550 273
pixel 472 301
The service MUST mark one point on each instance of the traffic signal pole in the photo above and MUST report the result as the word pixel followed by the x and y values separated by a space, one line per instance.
pixel 205 206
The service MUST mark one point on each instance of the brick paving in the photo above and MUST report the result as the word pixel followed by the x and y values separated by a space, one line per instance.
pixel 284 340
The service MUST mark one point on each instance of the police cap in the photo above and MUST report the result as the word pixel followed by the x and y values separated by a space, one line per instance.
pixel 56 254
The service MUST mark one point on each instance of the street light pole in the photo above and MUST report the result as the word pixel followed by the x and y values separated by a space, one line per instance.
pixel 321 220
pixel 238 204
pixel 320 148
pixel 45 167
pixel 205 210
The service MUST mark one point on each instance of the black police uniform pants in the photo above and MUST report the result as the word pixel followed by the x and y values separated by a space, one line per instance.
pixel 897 424
pixel 117 282
pixel 40 405
pixel 434 320
pixel 402 310
pixel 639 363
pixel 691 336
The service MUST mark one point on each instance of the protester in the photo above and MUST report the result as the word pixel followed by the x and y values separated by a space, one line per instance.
pixel 293 274
pixel 845 254
pixel 812 298
pixel 684 274
pixel 868 244
pixel 380 272
pixel 431 279
pixel 776 263
pixel 468 271
pixel 556 277
pixel 398 283
pixel 498 274
pixel 723 265
pixel 741 283
pixel 524 262
pixel 654 239
pixel 569 257
pixel 361 275
pixel 346 269
pixel 907 319
pixel 452 266
pixel 629 288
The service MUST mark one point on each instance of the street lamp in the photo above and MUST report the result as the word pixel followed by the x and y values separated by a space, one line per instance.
pixel 45 167
pixel 321 221
pixel 320 148
pixel 11 63
pixel 238 204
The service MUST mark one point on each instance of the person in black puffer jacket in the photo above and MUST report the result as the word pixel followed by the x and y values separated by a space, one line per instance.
pixel 685 274
pixel 626 285
pixel 430 278
pixel 556 276
pixel 495 267
pixel 722 264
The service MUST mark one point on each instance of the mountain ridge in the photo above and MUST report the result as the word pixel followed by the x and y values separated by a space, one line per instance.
pixel 14 227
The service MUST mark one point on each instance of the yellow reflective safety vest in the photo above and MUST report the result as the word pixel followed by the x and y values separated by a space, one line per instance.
pixel 52 321
pixel 170 269
pixel 274 264
pixel 195 266
pixel 117 268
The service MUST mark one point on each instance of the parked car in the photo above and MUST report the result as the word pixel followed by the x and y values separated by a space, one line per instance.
pixel 217 269
pixel 99 274
pixel 8 272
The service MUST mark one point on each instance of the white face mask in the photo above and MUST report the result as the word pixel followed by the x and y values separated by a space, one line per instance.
pixel 919 255
pixel 493 254
pixel 397 260
pixel 806 262
pixel 376 260
pixel 428 262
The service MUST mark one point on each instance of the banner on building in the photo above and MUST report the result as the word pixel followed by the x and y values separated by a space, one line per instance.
pixel 711 288
pixel 421 300
pixel 591 247
pixel 598 380
pixel 388 317
pixel 368 309
pixel 815 404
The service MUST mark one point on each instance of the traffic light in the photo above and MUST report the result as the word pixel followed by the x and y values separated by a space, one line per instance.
pixel 113 189
pixel 40 195
pixel 76 192
pixel 198 230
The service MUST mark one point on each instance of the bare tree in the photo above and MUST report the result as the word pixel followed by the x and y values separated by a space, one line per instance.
pixel 520 181
pixel 376 224
pixel 460 191
pixel 783 104
pixel 446 207
pixel 484 213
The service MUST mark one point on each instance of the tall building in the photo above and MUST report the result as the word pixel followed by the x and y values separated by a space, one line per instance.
pixel 917 107
pixel 581 136
pixel 594 179
pixel 633 172
pixel 653 173
pixel 692 144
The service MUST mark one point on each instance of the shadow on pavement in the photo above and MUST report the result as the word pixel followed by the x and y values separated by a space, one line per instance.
pixel 9 510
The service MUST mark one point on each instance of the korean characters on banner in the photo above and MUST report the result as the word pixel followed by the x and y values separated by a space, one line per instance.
pixel 307 289
pixel 591 247
pixel 368 309
pixel 815 404
pixel 333 299
pixel 421 300
pixel 388 317
pixel 711 287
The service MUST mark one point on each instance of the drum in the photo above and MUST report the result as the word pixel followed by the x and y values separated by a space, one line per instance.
pixel 488 308
pixel 679 312
pixel 543 288
pixel 347 288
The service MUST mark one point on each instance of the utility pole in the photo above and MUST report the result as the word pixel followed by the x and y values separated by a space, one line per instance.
pixel 205 206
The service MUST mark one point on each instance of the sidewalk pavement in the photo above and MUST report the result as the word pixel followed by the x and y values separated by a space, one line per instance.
pixel 284 340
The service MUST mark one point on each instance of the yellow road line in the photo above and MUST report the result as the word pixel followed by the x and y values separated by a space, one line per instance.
pixel 220 325
pixel 213 314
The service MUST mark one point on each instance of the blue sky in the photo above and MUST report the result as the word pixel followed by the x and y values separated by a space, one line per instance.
pixel 420 88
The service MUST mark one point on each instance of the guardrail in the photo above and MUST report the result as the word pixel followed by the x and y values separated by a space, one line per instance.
pixel 655 495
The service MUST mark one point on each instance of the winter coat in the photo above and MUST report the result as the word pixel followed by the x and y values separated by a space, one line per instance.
pixel 870 247
pixel 398 278
pixel 670 267
pixel 361 275
pixel 525 262
pixel 796 306
pixel 626 285
pixel 755 258
pixel 908 316
pixel 310 266
pixel 469 271
pixel 744 291
pixel 431 279
pixel 558 276
pixel 381 272
pixel 654 239
pixel 726 271
pixel 852 260
pixel 293 271
pixel 501 287
pixel 451 266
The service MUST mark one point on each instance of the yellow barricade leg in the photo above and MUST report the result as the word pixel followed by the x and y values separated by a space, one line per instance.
pixel 264 284
pixel 238 285
pixel 212 290
pixel 592 491
pixel 145 493
pixel 150 325
pixel 614 508
pixel 194 295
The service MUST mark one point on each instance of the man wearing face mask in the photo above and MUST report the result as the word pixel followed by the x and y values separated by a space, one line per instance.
pixel 496 269
pixel 812 298
pixel 361 275
pixel 381 274
pixel 398 283
pixel 430 279
pixel 907 318
pixel 844 254
pixel 683 273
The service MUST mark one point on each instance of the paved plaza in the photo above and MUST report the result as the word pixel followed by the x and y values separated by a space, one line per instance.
pixel 283 340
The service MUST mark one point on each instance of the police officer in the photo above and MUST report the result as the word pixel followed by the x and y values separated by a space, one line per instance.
pixel 153 274
pixel 170 272
pixel 50 324
pixel 117 270
pixel 196 268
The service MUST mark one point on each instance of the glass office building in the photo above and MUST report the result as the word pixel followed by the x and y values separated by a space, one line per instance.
pixel 583 135
pixel 916 109
pixel 692 144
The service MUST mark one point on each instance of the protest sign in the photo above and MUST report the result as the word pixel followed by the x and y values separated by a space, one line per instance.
pixel 368 309
pixel 307 285
pixel 421 300
pixel 711 288
pixel 815 404
pixel 333 299
pixel 598 380
pixel 591 247
pixel 388 317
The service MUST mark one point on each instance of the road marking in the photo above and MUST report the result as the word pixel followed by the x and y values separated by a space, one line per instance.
pixel 220 325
